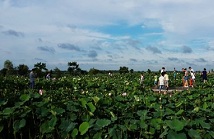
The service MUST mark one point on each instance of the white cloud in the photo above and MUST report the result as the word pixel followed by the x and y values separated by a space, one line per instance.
pixel 167 26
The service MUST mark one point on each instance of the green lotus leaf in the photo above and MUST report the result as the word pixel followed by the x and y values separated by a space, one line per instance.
pixel 83 102
pixel 143 124
pixel 48 126
pixel 36 95
pixel 178 104
pixel 3 102
pixel 163 134
pixel 194 134
pixel 70 127
pixel 112 131
pixel 174 135
pixel 169 111
pixel 196 109
pixel 205 125
pixel 211 133
pixel 74 133
pixel 98 135
pixel 66 125
pixel 44 128
pixel 205 106
pixel 142 114
pixel 175 124
pixel 8 111
pixel 52 122
pixel 59 111
pixel 18 124
pixel 44 111
pixel 1 127
pixel 103 122
pixel 19 104
pixel 156 123
pixel 24 97
pixel 83 128
pixel 179 112
pixel 91 106
pixel 96 99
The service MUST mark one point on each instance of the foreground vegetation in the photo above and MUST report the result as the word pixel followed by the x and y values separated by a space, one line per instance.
pixel 101 106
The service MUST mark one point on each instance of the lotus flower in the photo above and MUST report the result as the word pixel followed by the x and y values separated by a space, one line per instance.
pixel 124 94
pixel 40 91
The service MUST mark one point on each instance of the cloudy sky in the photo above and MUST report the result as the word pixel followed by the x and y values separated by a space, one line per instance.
pixel 108 34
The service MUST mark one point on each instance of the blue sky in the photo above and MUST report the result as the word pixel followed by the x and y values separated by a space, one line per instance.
pixel 106 35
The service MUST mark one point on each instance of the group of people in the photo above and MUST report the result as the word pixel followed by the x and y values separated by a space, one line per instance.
pixel 32 77
pixel 189 77
pixel 188 80
pixel 162 82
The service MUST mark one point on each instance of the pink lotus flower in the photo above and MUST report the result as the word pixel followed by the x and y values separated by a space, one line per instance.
pixel 40 91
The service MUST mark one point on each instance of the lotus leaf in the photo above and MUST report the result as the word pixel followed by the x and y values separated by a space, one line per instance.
pixel 24 97
pixel 18 124
pixel 74 132
pixel 194 134
pixel 8 111
pixel 103 122
pixel 98 135
pixel 48 126
pixel 83 128
pixel 91 107
pixel 175 135
pixel 96 99
pixel 175 124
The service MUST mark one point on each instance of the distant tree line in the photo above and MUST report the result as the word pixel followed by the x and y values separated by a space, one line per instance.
pixel 41 70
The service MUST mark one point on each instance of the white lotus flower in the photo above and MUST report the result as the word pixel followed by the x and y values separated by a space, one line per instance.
pixel 124 94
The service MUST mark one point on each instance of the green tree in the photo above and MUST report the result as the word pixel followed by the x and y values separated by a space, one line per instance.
pixel 22 69
pixel 58 72
pixel 93 71
pixel 73 68
pixel 39 67
pixel 149 71
pixel 4 71
pixel 8 65
pixel 131 71
pixel 124 70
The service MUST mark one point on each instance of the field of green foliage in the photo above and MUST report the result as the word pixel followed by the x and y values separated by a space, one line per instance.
pixel 100 106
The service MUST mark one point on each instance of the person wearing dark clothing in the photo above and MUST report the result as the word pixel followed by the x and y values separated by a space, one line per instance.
pixel 204 75
pixel 32 79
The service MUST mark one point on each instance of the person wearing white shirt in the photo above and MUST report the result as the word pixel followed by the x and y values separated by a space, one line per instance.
pixel 161 82
pixel 166 80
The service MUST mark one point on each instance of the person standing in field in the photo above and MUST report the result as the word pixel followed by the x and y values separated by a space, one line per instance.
pixel 166 80
pixel 48 76
pixel 191 69
pixel 186 77
pixel 32 78
pixel 204 75
pixel 156 80
pixel 183 76
pixel 192 79
pixel 174 74
pixel 161 82
pixel 142 80
pixel 163 69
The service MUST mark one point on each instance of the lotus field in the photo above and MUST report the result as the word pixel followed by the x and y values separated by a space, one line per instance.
pixel 105 107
